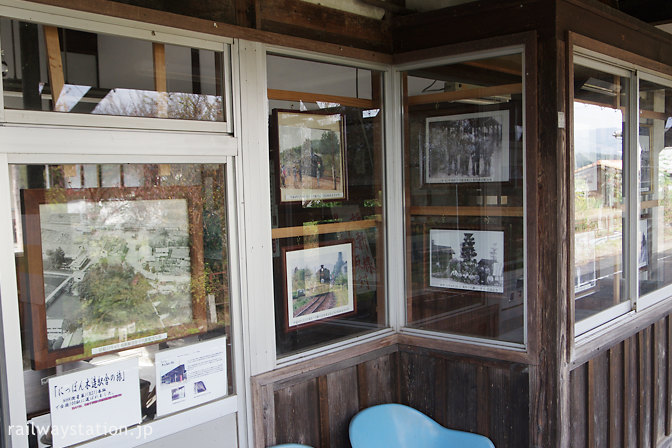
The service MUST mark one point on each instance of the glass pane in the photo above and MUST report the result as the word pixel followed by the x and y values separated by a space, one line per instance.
pixel 600 136
pixel 326 158
pixel 119 260
pixel 465 191
pixel 56 69
pixel 655 214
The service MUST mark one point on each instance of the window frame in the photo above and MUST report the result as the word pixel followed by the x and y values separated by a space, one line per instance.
pixel 590 332
pixel 522 44
pixel 264 328
pixel 98 24
pixel 51 138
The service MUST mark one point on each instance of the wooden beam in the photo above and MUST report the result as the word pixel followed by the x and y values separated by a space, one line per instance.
pixel 56 77
pixel 481 92
pixel 428 210
pixel 289 95
pixel 303 19
pixel 159 53
pixel 160 82
pixel 218 28
pixel 321 229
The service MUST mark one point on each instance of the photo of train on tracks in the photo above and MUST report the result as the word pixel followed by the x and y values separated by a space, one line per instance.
pixel 319 283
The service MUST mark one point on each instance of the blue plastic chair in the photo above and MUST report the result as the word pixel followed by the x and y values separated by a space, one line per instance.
pixel 399 426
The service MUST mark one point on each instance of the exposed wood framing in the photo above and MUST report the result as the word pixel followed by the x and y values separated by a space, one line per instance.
pixel 56 77
pixel 427 210
pixel 481 92
pixel 321 229
pixel 288 95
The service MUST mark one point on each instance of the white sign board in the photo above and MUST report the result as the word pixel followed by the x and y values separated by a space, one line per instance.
pixel 188 376
pixel 93 402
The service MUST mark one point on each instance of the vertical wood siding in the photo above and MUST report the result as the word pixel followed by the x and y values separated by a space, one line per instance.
pixel 623 396
pixel 470 394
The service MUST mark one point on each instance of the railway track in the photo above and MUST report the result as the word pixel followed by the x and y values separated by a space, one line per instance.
pixel 319 303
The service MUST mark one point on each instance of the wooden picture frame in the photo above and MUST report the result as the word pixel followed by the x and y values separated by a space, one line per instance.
pixel 318 283
pixel 148 238
pixel 482 272
pixel 310 156
pixel 467 148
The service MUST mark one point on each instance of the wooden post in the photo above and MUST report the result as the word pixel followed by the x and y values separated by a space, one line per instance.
pixel 56 78
pixel 160 83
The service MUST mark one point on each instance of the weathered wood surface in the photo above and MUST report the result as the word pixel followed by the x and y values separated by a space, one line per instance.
pixel 621 397
pixel 470 394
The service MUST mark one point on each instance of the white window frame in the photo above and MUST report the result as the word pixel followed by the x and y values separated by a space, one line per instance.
pixel 148 149
pixel 401 310
pixel 587 329
pixel 99 24
pixel 262 327
pixel 47 137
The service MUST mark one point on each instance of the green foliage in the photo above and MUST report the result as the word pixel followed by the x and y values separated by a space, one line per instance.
pixel 114 296
pixel 300 277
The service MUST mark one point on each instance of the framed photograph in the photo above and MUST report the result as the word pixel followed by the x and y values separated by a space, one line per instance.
pixel 110 269
pixel 471 260
pixel 585 274
pixel 310 156
pixel 645 136
pixel 318 283
pixel 467 148
pixel 643 257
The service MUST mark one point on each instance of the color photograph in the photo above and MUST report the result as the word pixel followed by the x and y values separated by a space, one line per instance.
pixel 319 283
pixel 311 162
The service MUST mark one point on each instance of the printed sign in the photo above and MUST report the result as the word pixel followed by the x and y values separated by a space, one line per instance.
pixel 94 402
pixel 188 376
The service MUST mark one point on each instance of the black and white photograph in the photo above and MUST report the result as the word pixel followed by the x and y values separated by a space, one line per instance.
pixel 471 260
pixel 319 283
pixel 467 148
pixel 114 269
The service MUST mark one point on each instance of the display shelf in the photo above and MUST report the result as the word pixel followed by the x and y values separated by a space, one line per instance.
pixel 321 229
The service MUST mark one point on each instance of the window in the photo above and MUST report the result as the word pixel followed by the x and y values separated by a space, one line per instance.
pixel 123 261
pixel 601 104
pixel 326 196
pixel 621 189
pixel 465 198
pixel 49 68
pixel 122 228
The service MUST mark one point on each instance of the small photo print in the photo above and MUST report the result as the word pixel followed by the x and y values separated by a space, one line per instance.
pixel 177 393
pixel 199 387
pixel 176 375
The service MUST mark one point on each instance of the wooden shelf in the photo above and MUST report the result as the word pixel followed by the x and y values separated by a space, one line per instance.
pixel 467 211
pixel 321 229
pixel 466 94
pixel 289 95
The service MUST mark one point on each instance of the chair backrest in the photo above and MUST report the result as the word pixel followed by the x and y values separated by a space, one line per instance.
pixel 398 426
pixel 290 445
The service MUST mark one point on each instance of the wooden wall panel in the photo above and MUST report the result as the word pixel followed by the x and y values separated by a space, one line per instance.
pixel 342 404
pixel 622 397
pixel 315 406
pixel 469 394
pixel 579 422
pixel 297 414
